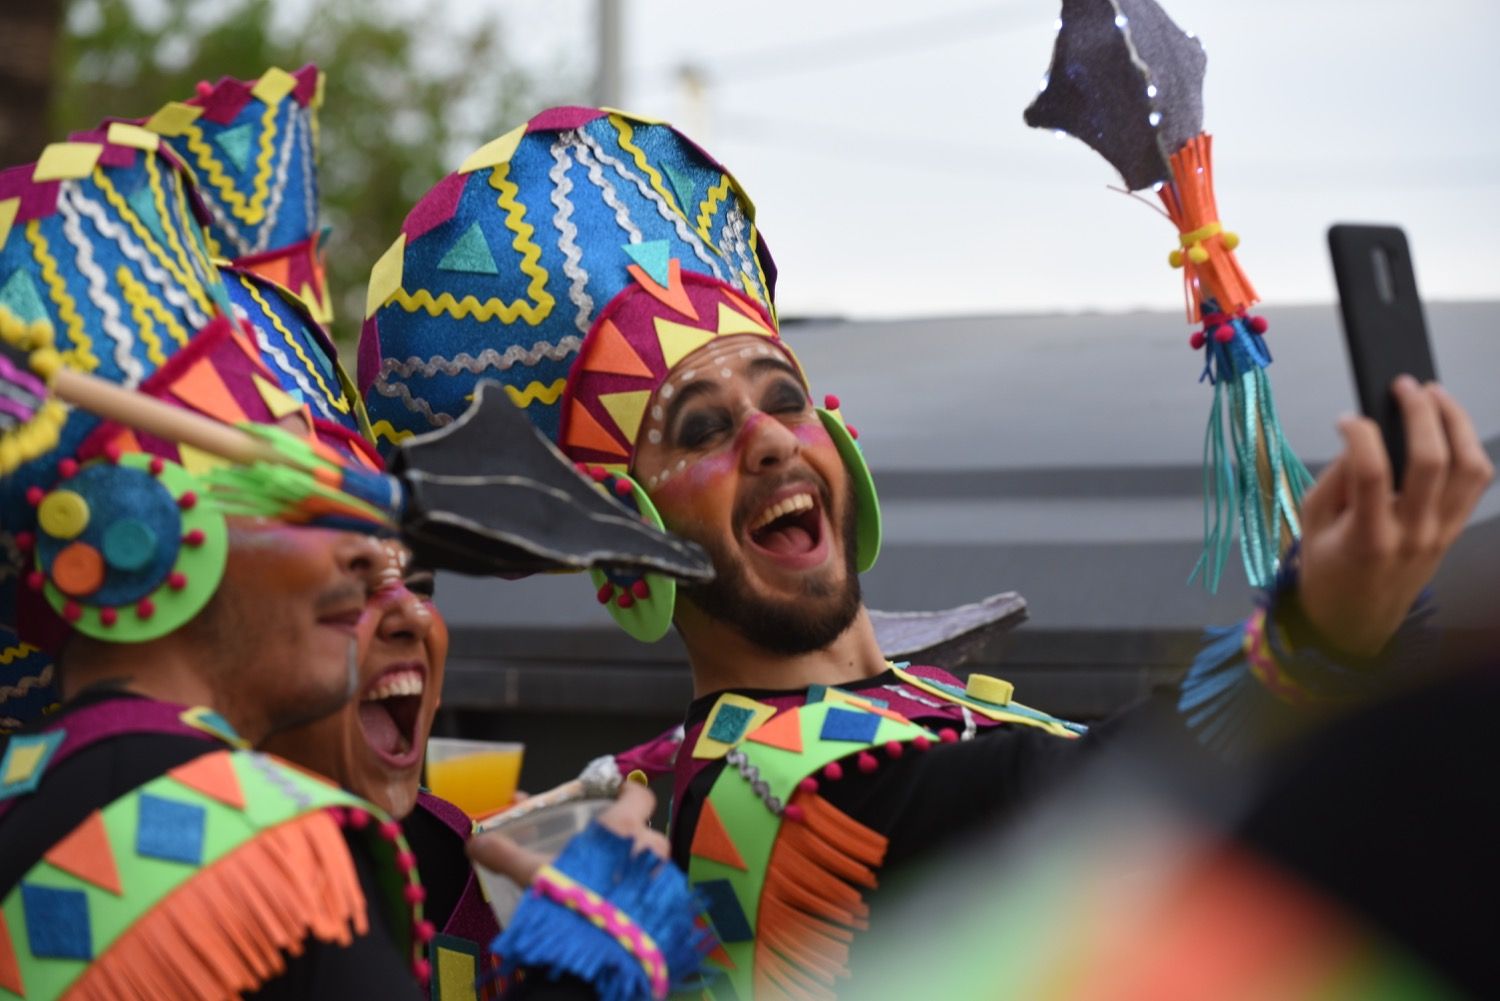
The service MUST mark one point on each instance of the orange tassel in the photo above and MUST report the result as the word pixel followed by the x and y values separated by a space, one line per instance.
pixel 1209 267
pixel 812 902
pixel 229 929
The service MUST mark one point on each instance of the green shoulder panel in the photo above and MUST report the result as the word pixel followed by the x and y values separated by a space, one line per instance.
pixel 127 857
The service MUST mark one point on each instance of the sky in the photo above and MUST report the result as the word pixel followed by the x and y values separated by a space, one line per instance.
pixel 883 145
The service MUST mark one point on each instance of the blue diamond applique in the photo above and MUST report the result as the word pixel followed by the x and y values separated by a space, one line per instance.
pixel 170 830
pixel 724 911
pixel 57 922
pixel 729 723
pixel 850 725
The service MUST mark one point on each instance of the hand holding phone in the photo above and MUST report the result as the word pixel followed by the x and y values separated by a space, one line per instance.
pixel 1384 325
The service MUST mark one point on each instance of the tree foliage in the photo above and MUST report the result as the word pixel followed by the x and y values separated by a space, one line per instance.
pixel 407 96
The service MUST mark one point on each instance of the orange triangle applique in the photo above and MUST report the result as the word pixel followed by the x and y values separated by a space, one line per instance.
pixel 212 775
pixel 741 302
pixel 585 432
pixel 712 841
pixel 86 853
pixel 127 441
pixel 201 388
pixel 674 295
pixel 10 969
pixel 721 956
pixel 278 270
pixel 610 352
pixel 784 732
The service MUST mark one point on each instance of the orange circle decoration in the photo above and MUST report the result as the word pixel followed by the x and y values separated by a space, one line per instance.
pixel 78 570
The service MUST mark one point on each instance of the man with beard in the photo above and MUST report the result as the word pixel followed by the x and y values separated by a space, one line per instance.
pixel 808 762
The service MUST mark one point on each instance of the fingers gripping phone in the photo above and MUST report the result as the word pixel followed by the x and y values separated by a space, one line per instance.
pixel 1384 326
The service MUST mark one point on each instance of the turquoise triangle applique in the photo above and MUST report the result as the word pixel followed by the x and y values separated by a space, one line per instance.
pixel 145 207
pixel 25 761
pixel 471 254
pixel 19 295
pixel 211 723
pixel 652 256
pixel 687 192
pixel 235 143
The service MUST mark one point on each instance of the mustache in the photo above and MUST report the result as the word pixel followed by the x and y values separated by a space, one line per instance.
pixel 336 599
pixel 751 504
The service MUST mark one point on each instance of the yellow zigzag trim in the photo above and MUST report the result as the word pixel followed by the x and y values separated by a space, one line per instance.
pixel 536 392
pixel 159 198
pixel 189 279
pixel 626 134
pixel 706 209
pixel 385 429
pixel 67 310
pixel 143 308
pixel 254 210
pixel 10 653
pixel 338 401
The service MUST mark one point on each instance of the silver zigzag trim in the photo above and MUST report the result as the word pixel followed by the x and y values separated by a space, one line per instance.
pixel 99 295
pixel 415 404
pixel 607 192
pixel 567 242
pixel 487 359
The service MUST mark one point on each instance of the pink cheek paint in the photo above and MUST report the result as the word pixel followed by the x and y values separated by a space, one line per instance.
pixel 812 433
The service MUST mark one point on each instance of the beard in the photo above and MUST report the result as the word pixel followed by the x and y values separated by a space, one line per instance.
pixel 787 627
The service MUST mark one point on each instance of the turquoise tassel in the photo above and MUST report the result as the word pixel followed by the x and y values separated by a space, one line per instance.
pixel 1234 488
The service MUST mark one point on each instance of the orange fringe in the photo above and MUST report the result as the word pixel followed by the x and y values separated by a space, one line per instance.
pixel 1189 199
pixel 228 929
pixel 812 902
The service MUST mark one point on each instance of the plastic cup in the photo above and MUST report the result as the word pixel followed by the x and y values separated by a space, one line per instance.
pixel 544 831
pixel 477 776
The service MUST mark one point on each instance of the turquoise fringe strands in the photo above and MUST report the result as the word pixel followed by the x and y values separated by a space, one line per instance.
pixel 1251 476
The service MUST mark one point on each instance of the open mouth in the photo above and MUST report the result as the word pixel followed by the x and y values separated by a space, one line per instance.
pixel 388 714
pixel 790 529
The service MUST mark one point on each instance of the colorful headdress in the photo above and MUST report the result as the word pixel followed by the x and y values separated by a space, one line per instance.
pixel 251 146
pixel 576 261
pixel 1128 81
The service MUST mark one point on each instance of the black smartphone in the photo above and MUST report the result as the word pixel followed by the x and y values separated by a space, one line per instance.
pixel 1383 323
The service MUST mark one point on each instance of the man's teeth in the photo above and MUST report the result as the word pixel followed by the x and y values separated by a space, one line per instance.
pixel 799 502
pixel 396 683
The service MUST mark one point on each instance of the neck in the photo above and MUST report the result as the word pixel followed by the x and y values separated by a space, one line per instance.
pixel 722 658
pixel 166 670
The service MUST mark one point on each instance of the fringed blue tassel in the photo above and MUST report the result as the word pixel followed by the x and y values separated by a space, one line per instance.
pixel 547 938
pixel 1213 697
pixel 1236 479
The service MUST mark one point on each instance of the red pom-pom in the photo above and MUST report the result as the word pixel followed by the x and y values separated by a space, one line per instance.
pixel 405 861
pixel 606 592
pixel 24 541
pixel 794 813
pixel 72 611
pixel 625 600
pixel 833 770
pixel 894 748
pixel 204 88
pixel 423 931
pixel 641 589
pixel 157 465
pixel 358 818
pixel 145 608
pixel 414 893
pixel 1258 325
pixel 599 473
pixel 390 830
pixel 623 487
pixel 947 735
pixel 830 402
pixel 108 616
pixel 422 969
pixel 1223 333
pixel 177 580
pixel 67 468
pixel 113 450
pixel 1197 341
pixel 921 743
pixel 188 500
pixel 194 538
pixel 867 762
pixel 1214 319
pixel 853 431
pixel 36 580
pixel 34 495
pixel 808 785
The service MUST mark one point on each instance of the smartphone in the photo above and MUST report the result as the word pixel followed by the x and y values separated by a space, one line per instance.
pixel 1383 323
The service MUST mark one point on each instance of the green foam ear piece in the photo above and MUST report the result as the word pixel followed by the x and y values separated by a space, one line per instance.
pixel 647 619
pixel 867 503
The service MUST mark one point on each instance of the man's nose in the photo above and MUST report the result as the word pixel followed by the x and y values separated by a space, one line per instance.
pixel 403 615
pixel 766 444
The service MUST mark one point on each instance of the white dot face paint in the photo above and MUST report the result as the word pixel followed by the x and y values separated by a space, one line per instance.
pixel 667 391
pixel 656 412
pixel 724 373
pixel 653 436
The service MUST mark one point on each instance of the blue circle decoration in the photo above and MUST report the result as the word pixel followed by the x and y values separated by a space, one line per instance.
pixel 129 544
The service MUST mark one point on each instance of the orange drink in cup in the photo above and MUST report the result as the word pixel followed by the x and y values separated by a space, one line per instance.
pixel 477 776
